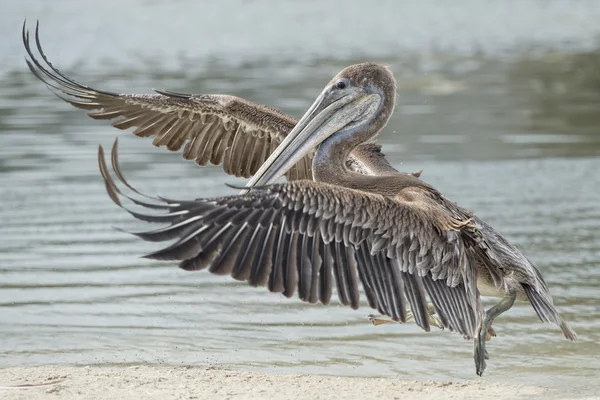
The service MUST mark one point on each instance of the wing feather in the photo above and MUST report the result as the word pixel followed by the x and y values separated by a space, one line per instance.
pixel 210 121
pixel 301 236
pixel 219 126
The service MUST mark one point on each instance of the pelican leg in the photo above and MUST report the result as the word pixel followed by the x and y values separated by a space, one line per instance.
pixel 382 319
pixel 480 353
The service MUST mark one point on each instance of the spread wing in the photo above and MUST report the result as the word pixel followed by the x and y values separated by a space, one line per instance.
pixel 306 236
pixel 213 128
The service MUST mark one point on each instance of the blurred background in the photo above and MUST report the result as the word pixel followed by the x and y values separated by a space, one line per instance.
pixel 499 103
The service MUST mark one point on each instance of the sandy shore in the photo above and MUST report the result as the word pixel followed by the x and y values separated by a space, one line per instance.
pixel 165 383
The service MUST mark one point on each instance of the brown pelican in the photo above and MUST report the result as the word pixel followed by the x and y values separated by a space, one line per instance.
pixel 399 236
pixel 217 129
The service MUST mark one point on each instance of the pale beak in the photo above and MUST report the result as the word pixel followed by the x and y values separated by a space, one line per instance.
pixel 330 113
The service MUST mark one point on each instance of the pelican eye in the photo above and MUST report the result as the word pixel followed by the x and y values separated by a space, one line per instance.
pixel 341 84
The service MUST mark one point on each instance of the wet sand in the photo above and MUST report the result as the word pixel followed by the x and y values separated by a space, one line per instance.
pixel 197 382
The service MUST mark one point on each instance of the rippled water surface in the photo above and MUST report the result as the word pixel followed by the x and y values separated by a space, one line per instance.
pixel 499 103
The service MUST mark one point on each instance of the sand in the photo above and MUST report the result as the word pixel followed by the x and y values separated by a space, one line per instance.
pixel 196 382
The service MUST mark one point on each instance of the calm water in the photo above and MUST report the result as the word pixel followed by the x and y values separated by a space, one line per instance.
pixel 498 103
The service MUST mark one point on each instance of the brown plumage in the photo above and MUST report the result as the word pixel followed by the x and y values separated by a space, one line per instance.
pixel 298 235
pixel 211 128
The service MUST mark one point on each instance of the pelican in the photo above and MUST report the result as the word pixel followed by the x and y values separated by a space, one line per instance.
pixel 400 237
pixel 395 234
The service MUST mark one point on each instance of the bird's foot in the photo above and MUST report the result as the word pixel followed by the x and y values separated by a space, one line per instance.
pixel 490 334
pixel 383 319
pixel 379 319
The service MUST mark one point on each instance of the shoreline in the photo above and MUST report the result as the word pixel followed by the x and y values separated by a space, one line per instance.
pixel 210 382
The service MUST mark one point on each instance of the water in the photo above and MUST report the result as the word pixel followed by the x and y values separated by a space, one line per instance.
pixel 498 103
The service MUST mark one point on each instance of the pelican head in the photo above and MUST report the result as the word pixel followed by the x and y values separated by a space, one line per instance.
pixel 354 106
